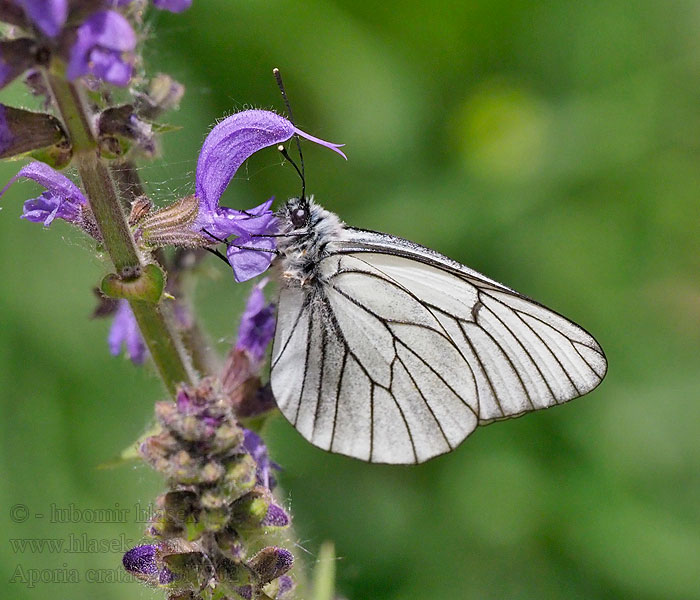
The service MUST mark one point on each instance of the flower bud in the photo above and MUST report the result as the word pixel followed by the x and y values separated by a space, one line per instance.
pixel 250 510
pixel 23 131
pixel 215 510
pixel 177 511
pixel 240 476
pixel 270 563
pixel 164 93
pixel 119 127
pixel 141 562
pixel 258 509
pixel 185 569
pixel 232 575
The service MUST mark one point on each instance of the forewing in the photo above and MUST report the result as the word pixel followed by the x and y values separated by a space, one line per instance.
pixel 397 353
pixel 523 355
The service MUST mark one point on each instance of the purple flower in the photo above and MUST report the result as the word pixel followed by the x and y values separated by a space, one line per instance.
pixel 101 48
pixel 257 324
pixel 285 585
pixel 125 331
pixel 48 15
pixel 225 149
pixel 61 200
pixel 255 446
pixel 275 517
pixel 142 561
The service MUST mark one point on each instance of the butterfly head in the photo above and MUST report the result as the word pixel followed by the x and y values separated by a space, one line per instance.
pixel 297 214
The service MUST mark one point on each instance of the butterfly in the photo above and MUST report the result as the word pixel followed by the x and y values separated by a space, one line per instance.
pixel 390 352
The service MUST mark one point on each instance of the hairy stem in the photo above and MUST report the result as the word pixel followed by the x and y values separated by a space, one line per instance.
pixel 160 336
pixel 194 340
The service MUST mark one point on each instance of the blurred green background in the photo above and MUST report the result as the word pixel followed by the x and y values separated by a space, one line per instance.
pixel 554 146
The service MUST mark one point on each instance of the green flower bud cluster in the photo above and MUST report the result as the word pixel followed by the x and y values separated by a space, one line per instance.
pixel 212 528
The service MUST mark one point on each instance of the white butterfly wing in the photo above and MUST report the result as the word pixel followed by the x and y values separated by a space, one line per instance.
pixel 402 352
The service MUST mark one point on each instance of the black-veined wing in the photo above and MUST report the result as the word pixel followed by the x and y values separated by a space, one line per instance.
pixel 402 352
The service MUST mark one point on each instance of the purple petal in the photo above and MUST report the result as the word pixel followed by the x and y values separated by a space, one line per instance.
pixel 234 140
pixel 330 145
pixel 108 66
pixel 98 48
pixel 246 260
pixel 141 560
pixel 275 517
pixel 125 331
pixel 255 446
pixel 244 591
pixel 48 15
pixel 284 586
pixel 52 180
pixel 224 150
pixel 224 221
pixel 257 324
pixel 229 144
pixel 48 207
pixel 176 6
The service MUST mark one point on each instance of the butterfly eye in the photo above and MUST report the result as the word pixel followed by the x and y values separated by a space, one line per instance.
pixel 300 217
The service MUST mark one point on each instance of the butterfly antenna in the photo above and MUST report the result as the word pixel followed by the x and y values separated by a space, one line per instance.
pixel 283 151
pixel 280 85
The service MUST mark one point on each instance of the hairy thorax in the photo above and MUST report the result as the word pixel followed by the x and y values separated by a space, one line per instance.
pixel 301 252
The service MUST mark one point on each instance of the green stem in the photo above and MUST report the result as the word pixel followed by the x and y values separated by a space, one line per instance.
pixel 194 341
pixel 163 344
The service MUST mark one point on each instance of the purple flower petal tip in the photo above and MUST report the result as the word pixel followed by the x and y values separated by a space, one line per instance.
pixel 329 145
pixel 141 560
pixel 125 331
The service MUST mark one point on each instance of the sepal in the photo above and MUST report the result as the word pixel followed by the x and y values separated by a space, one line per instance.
pixel 24 131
